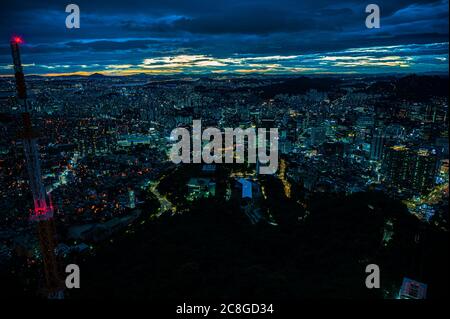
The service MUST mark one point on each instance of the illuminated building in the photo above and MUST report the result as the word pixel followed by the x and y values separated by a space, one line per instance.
pixel 200 188
pixel 133 139
pixel 318 135
pixel 376 146
pixel 396 165
pixel 424 170
pixel 412 289
pixel 410 169
pixel 132 199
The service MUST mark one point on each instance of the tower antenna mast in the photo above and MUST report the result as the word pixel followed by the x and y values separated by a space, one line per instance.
pixel 43 211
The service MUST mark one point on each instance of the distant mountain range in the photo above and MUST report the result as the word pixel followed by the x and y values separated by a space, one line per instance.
pixel 413 87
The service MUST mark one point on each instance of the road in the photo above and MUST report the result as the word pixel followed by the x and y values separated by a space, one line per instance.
pixel 165 204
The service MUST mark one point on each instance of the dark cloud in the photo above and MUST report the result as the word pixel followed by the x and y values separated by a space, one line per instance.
pixel 111 45
pixel 145 28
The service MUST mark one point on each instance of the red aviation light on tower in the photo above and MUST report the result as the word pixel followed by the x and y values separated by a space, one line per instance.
pixel 42 211
pixel 17 39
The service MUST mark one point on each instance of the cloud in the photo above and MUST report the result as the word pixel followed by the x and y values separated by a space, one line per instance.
pixel 378 59
pixel 128 32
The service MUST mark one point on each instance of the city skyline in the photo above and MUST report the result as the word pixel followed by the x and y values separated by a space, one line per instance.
pixel 175 151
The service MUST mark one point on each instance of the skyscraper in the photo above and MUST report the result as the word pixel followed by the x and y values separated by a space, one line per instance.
pixel 411 169
pixel 424 170
pixel 377 146
pixel 396 166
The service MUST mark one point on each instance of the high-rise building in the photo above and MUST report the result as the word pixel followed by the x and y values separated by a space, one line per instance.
pixel 409 168
pixel 318 135
pixel 396 165
pixel 424 170
pixel 377 146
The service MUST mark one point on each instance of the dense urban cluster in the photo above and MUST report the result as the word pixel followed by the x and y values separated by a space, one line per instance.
pixel 104 144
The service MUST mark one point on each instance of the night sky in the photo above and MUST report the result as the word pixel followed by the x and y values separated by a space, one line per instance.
pixel 222 36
